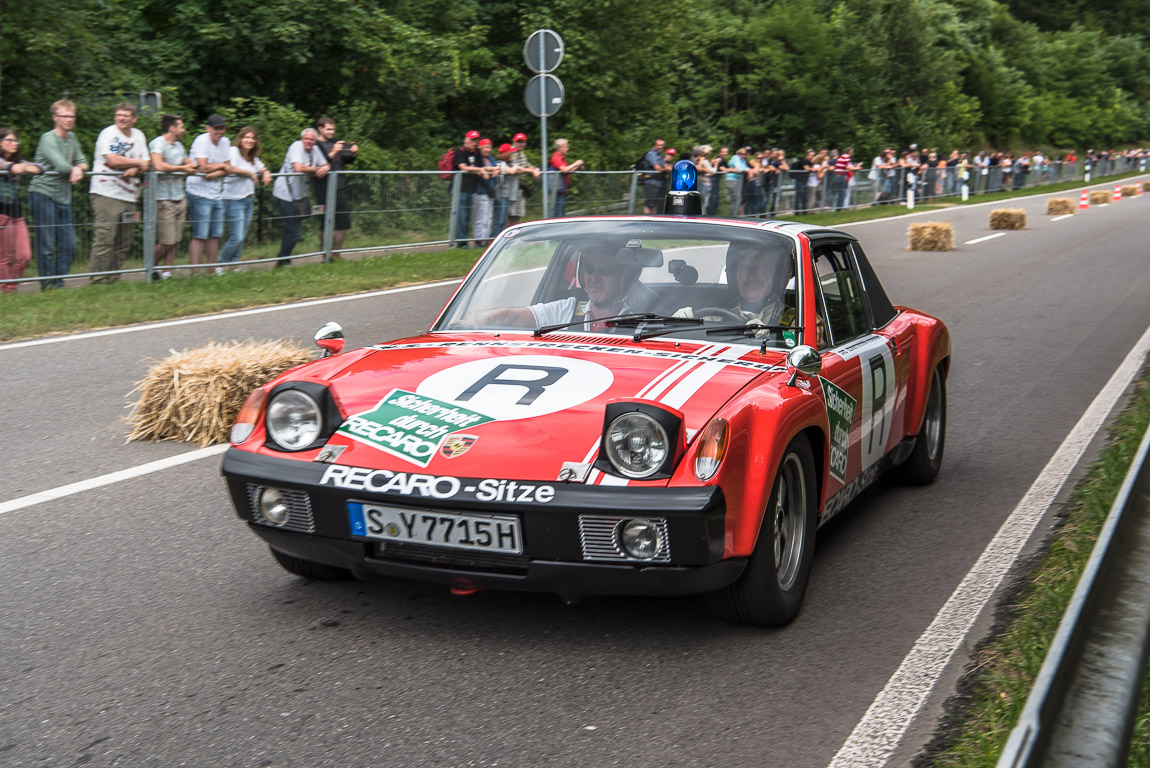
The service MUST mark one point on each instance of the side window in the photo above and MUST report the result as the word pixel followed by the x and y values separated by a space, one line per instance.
pixel 841 293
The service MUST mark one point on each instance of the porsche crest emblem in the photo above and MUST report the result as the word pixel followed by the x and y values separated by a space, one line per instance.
pixel 457 445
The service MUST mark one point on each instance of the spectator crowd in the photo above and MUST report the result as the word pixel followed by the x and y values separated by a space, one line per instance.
pixel 209 189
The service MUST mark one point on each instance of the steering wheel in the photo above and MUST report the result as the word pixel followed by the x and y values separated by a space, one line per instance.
pixel 721 312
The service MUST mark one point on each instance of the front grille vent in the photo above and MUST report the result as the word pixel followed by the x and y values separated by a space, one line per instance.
pixel 599 535
pixel 300 520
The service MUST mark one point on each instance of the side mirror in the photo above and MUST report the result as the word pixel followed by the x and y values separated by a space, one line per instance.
pixel 805 360
pixel 330 339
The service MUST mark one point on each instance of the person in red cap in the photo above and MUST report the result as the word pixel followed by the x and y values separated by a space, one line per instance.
pixel 520 187
pixel 467 161
pixel 484 198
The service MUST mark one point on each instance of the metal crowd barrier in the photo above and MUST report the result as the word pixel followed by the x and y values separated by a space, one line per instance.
pixel 1082 709
pixel 392 209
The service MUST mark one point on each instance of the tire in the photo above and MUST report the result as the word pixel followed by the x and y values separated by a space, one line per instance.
pixel 770 591
pixel 922 466
pixel 309 569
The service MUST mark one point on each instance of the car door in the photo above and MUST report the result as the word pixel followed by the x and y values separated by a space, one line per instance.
pixel 859 380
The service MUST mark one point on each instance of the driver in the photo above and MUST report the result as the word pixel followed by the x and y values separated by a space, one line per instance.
pixel 612 289
pixel 761 280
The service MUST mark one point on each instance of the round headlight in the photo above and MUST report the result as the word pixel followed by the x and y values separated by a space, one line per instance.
pixel 641 539
pixel 294 419
pixel 636 445
pixel 273 507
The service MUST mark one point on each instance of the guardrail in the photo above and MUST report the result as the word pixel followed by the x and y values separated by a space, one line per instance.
pixel 1082 708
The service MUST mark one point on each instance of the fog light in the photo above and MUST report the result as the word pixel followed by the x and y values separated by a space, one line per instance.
pixel 641 539
pixel 273 506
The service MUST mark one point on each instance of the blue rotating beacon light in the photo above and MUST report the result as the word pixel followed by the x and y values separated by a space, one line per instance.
pixel 683 199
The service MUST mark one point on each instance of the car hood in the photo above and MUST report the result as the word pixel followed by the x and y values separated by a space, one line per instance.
pixel 519 407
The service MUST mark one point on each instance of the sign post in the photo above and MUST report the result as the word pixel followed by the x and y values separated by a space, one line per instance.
pixel 543 52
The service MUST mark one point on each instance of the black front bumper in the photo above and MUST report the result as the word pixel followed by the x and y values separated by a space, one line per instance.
pixel 553 558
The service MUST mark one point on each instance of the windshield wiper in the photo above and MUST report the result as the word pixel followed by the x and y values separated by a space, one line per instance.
pixel 747 330
pixel 635 318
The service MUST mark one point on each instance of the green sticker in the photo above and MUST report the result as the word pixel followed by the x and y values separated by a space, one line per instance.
pixel 840 415
pixel 789 338
pixel 410 426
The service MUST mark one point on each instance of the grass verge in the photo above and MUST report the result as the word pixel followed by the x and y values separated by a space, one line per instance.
pixel 25 315
pixel 1007 665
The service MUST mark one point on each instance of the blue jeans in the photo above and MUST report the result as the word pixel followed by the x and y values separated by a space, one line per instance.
pixel 463 219
pixel 206 216
pixel 55 238
pixel 293 225
pixel 499 220
pixel 560 209
pixel 839 191
pixel 238 215
pixel 801 196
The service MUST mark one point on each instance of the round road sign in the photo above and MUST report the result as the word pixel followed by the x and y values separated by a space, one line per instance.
pixel 552 52
pixel 546 103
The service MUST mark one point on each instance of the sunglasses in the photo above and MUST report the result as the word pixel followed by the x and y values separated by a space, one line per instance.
pixel 606 270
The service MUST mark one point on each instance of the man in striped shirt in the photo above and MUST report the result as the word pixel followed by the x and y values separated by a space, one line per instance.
pixel 843 170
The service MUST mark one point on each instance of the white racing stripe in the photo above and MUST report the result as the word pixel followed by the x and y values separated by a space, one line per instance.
pixel 883 726
pixel 111 478
pixel 223 316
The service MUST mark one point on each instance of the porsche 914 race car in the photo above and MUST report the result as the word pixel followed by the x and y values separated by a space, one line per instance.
pixel 617 405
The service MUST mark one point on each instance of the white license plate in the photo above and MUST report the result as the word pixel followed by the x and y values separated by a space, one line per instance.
pixel 488 533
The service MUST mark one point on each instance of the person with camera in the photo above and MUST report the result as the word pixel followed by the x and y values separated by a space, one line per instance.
pixel 339 155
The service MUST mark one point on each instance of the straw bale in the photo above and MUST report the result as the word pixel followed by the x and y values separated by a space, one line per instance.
pixel 1100 196
pixel 194 396
pixel 931 236
pixel 1129 190
pixel 1145 186
pixel 1008 218
pixel 1058 206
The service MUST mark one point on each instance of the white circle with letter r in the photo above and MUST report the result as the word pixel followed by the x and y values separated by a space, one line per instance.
pixel 518 386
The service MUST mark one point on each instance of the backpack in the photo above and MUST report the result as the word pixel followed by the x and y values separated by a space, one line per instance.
pixel 447 163
pixel 642 165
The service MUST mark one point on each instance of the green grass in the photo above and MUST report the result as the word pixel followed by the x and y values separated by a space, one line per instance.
pixel 1009 663
pixel 24 315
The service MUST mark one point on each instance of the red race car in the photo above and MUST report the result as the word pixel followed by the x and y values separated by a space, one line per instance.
pixel 625 405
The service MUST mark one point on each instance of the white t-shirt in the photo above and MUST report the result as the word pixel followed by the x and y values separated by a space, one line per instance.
pixel 240 187
pixel 112 142
pixel 203 147
pixel 295 187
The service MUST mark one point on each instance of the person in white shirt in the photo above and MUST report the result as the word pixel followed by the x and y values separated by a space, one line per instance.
pixel 247 170
pixel 121 157
pixel 290 192
pixel 210 153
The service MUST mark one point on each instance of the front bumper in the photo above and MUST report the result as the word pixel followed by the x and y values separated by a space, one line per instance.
pixel 554 557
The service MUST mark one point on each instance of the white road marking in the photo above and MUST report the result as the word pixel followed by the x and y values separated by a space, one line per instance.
pixel 1063 216
pixel 881 729
pixel 109 479
pixel 223 316
pixel 984 239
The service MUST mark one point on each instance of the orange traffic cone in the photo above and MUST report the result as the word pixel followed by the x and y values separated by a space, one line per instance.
pixel 1084 201
pixel 1117 192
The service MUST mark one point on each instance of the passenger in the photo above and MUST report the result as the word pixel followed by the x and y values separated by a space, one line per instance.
pixel 612 289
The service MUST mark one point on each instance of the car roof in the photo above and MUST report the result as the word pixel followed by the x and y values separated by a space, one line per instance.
pixel 784 227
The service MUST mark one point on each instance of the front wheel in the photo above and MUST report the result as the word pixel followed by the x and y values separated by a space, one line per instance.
pixel 770 591
pixel 926 458
pixel 310 569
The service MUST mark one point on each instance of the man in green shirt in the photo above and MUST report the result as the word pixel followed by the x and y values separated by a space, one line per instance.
pixel 50 196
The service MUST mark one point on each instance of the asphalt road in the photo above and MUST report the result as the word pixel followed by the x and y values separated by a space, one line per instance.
pixel 142 625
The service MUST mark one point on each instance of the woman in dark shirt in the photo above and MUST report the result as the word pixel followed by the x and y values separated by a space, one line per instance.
pixel 15 250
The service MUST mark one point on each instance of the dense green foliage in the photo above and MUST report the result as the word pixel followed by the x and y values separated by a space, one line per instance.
pixel 406 78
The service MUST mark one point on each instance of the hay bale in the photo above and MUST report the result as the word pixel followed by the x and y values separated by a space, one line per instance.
pixel 1145 186
pixel 931 236
pixel 1100 197
pixel 1058 206
pixel 194 396
pixel 1129 190
pixel 1008 218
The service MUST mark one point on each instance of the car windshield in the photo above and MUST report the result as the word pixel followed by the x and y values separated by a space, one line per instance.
pixel 636 278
